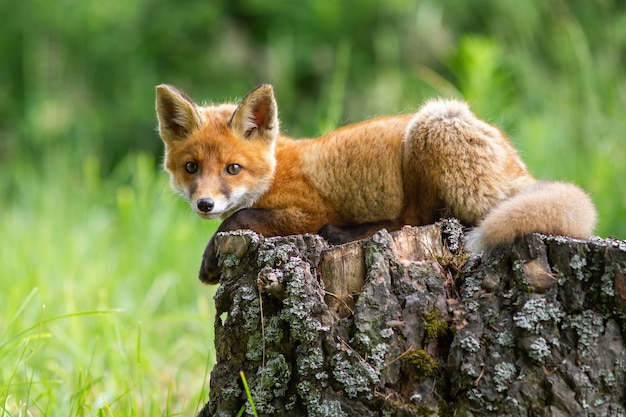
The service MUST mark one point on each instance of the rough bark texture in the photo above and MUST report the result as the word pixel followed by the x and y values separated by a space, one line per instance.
pixel 404 324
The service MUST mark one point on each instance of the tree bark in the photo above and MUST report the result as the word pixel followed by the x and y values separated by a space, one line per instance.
pixel 405 324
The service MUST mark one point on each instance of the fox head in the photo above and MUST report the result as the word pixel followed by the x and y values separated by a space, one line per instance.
pixel 220 158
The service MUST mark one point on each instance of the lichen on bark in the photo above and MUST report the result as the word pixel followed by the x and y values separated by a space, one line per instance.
pixel 404 324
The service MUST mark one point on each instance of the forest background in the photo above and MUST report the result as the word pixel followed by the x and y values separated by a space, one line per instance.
pixel 100 309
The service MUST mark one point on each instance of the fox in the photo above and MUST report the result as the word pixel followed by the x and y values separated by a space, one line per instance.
pixel 230 161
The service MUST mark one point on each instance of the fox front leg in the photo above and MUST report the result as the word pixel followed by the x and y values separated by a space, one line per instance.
pixel 338 235
pixel 262 221
pixel 209 269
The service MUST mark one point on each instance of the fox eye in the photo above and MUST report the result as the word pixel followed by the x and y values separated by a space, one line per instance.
pixel 233 169
pixel 191 167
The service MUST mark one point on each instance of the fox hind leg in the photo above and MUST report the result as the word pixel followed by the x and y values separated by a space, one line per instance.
pixel 478 176
pixel 470 164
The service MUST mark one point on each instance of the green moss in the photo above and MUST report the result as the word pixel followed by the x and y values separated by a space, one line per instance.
pixel 435 326
pixel 424 364
pixel 447 410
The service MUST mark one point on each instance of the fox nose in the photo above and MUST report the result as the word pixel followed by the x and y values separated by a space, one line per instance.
pixel 205 204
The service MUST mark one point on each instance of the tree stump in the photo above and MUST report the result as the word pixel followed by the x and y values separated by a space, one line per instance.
pixel 405 324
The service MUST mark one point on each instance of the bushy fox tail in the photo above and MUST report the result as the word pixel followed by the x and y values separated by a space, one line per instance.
pixel 553 208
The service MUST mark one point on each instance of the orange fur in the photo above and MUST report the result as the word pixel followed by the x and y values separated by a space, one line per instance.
pixel 390 171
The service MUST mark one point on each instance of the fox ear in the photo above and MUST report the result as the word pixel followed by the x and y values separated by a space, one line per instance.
pixel 257 115
pixel 178 115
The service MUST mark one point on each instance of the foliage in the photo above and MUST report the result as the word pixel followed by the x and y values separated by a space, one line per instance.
pixel 89 227
pixel 100 312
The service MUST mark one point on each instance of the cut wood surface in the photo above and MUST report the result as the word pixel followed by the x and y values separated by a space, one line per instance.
pixel 405 324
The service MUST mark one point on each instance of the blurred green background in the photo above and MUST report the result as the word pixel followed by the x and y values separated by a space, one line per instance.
pixel 100 309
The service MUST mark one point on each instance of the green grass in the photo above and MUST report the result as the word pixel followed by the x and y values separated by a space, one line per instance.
pixel 101 312
pixel 250 402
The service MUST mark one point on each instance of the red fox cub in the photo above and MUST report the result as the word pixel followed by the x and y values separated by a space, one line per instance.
pixel 231 161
